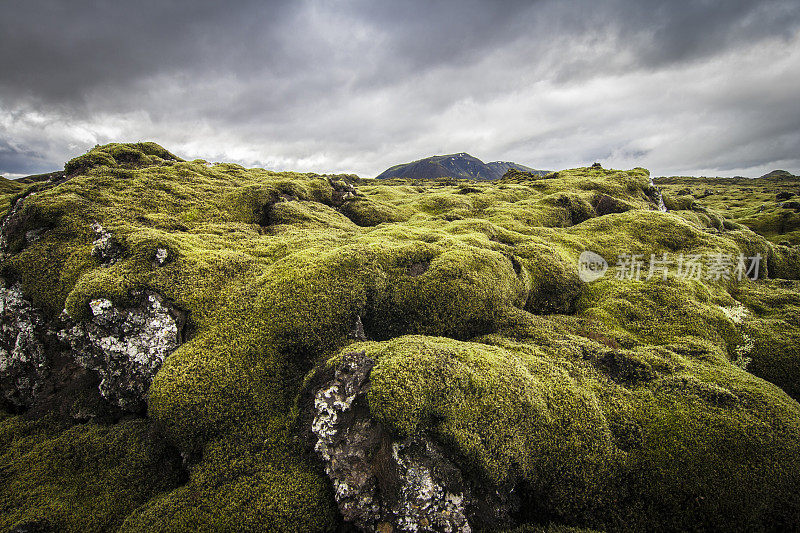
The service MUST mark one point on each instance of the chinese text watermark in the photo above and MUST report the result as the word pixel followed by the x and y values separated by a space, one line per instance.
pixel 717 267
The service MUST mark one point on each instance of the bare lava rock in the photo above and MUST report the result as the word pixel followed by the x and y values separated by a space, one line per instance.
pixel 122 347
pixel 385 483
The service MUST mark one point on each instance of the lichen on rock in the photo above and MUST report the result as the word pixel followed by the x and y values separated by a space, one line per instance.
pixel 126 347
pixel 23 362
pixel 105 248
pixel 381 483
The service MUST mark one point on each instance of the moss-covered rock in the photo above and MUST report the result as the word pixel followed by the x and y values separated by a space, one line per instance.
pixel 620 445
pixel 617 403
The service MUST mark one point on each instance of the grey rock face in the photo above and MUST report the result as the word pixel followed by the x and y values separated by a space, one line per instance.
pixel 432 496
pixel 126 347
pixel 11 234
pixel 383 484
pixel 342 192
pixel 23 364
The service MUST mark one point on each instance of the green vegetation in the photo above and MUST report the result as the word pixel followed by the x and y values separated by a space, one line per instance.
pixel 8 189
pixel 83 478
pixel 754 203
pixel 609 404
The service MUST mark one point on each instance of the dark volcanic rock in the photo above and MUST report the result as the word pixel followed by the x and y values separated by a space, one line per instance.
pixel 385 484
pixel 342 192
pixel 23 363
pixel 116 354
pixel 38 373
pixel 106 248
pixel 126 346
pixel 605 205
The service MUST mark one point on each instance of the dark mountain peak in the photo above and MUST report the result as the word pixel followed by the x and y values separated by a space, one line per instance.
pixel 778 174
pixel 461 165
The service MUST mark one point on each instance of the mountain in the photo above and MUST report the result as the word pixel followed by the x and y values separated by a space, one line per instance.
pixel 778 174
pixel 462 166
pixel 501 167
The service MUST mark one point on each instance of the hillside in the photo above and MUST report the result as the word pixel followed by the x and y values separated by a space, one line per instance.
pixel 780 174
pixel 459 166
pixel 187 346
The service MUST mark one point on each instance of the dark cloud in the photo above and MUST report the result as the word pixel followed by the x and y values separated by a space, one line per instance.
pixel 16 160
pixel 360 84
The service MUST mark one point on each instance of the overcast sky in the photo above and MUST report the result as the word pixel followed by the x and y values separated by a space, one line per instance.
pixel 689 88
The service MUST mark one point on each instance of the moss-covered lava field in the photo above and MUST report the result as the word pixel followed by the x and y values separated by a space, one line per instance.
pixel 191 346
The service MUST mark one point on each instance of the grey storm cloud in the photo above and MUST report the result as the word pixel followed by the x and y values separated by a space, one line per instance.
pixel 676 86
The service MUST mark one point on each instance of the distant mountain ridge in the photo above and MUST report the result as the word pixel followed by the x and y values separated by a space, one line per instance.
pixel 461 165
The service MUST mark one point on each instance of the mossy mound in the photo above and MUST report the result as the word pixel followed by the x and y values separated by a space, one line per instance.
pixel 117 155
pixel 84 478
pixel 615 403
pixel 621 439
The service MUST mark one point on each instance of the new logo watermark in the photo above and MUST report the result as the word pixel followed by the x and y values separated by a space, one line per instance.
pixel 719 266
pixel 591 266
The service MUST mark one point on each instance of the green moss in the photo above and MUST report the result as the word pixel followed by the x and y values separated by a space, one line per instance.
pixel 442 289
pixel 773 332
pixel 749 202
pixel 9 193
pixel 85 478
pixel 611 404
pixel 660 312
pixel 238 489
pixel 594 441
pixel 365 212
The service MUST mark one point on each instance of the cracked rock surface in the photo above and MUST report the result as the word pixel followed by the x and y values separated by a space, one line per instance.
pixel 118 351
pixel 23 364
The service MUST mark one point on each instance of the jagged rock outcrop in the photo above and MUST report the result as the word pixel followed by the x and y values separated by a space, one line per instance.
pixel 125 346
pixel 341 192
pixel 23 363
pixel 122 348
pixel 12 238
pixel 382 483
